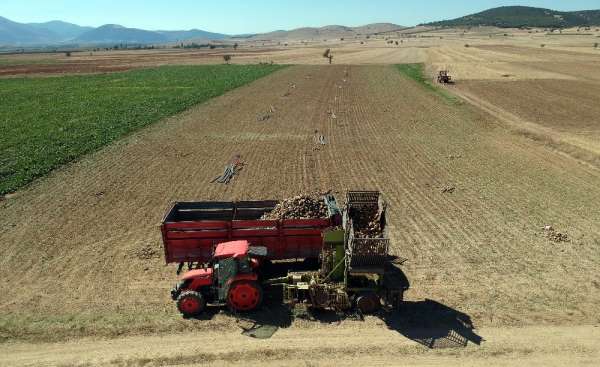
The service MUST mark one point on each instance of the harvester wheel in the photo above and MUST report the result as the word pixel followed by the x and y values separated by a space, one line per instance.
pixel 368 303
pixel 244 296
pixel 190 303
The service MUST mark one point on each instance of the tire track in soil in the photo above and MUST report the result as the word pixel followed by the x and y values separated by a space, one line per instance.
pixel 432 207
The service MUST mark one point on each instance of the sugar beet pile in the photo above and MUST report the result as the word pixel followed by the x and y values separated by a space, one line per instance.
pixel 367 222
pixel 298 207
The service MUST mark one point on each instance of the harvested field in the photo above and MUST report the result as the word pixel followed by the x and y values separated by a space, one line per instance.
pixel 564 105
pixel 481 249
pixel 546 94
pixel 493 202
pixel 349 53
pixel 562 110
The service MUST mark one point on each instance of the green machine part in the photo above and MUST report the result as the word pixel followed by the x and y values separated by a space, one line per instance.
pixel 334 242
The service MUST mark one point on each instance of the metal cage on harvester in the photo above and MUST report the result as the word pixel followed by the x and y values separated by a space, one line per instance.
pixel 362 252
pixel 355 263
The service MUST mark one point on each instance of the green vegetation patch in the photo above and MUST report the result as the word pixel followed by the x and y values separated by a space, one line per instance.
pixel 525 16
pixel 416 72
pixel 47 122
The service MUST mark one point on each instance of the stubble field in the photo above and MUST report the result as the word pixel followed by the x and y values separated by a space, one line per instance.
pixel 81 253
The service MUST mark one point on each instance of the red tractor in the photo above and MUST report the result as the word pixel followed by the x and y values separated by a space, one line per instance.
pixel 230 279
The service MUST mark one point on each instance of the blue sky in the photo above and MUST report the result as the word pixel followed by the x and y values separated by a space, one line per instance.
pixel 253 16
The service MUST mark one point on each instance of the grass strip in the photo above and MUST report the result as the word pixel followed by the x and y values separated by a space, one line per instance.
pixel 416 72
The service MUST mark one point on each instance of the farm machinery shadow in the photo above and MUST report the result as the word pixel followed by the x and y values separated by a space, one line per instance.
pixel 262 323
pixel 429 322
pixel 433 325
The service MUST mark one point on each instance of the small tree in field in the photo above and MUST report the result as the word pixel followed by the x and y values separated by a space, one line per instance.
pixel 227 59
pixel 235 46
pixel 596 45
pixel 327 54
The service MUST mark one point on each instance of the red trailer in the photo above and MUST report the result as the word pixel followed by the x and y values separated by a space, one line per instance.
pixel 191 231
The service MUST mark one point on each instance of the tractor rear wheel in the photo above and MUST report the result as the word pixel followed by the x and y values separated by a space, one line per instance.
pixel 244 296
pixel 190 303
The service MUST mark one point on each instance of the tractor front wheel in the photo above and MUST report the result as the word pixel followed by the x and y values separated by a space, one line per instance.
pixel 244 296
pixel 190 304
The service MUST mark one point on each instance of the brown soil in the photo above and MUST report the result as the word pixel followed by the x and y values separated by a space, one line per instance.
pixel 564 105
pixel 13 70
pixel 71 255
pixel 111 61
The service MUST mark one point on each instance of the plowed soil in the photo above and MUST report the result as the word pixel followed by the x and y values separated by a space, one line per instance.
pixel 81 251
pixel 547 94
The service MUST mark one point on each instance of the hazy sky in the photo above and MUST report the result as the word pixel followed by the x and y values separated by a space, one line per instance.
pixel 254 16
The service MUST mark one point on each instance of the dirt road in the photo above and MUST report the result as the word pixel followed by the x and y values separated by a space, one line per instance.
pixel 335 345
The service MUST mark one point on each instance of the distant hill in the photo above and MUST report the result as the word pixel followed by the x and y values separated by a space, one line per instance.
pixel 193 34
pixel 62 30
pixel 13 33
pixel 376 28
pixel 113 33
pixel 57 32
pixel 524 16
pixel 328 32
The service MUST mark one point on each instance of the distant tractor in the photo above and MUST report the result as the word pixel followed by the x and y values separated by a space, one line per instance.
pixel 444 77
pixel 229 280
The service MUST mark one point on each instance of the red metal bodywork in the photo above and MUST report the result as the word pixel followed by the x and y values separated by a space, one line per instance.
pixel 235 250
pixel 198 273
pixel 190 231
pixel 199 278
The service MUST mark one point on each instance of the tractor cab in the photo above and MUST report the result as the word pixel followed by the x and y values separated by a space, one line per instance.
pixel 444 77
pixel 230 279
pixel 239 254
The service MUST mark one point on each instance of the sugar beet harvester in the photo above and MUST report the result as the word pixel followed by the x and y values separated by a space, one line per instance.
pixel 227 244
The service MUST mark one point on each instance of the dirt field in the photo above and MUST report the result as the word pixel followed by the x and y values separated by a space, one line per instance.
pixel 547 94
pixel 492 54
pixel 81 252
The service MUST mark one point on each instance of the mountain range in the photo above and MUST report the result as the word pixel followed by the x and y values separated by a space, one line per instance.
pixel 58 32
pixel 524 16
pixel 330 31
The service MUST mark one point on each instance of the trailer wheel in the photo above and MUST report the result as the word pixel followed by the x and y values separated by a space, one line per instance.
pixel 368 303
pixel 190 303
pixel 244 296
pixel 395 300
